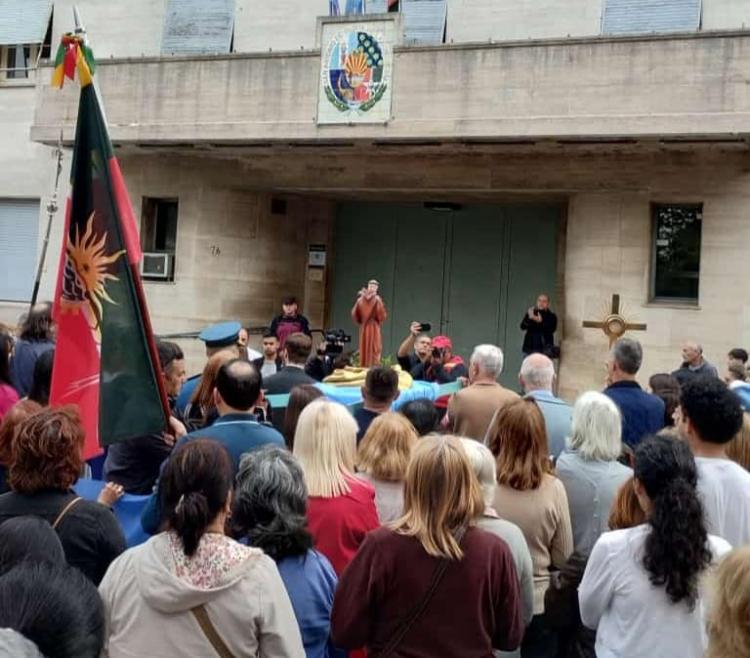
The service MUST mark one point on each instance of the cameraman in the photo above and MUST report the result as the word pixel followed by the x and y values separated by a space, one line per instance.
pixel 329 356
pixel 416 347
pixel 442 366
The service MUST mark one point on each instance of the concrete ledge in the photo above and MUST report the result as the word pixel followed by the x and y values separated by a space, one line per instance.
pixel 676 86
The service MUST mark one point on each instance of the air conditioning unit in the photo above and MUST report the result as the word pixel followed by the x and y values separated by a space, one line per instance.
pixel 157 266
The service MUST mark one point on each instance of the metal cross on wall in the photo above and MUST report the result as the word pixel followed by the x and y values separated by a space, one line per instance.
pixel 614 325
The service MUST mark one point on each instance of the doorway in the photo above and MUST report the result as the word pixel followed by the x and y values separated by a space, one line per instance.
pixel 469 271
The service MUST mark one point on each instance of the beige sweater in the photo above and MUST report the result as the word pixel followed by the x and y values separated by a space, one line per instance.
pixel 149 590
pixel 544 518
pixel 471 410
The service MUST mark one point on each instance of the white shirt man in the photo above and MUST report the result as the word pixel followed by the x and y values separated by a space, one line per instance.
pixel 710 416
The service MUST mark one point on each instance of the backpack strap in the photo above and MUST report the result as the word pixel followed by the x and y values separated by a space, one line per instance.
pixel 209 630
pixel 56 523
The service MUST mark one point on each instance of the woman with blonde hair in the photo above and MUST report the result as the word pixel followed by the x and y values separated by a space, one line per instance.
pixel 529 495
pixel 340 507
pixel 431 583
pixel 738 449
pixel 382 459
pixel 589 468
pixel 728 628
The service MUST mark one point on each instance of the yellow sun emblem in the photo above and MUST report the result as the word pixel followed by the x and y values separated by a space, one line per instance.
pixel 86 273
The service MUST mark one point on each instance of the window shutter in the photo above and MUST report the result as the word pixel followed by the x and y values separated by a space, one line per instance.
pixel 194 27
pixel 424 21
pixel 23 21
pixel 376 6
pixel 19 228
pixel 644 16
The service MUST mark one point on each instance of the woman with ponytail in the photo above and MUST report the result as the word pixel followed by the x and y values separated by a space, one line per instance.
pixel 191 590
pixel 642 585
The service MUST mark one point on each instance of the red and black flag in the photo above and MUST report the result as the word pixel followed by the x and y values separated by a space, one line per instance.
pixel 105 359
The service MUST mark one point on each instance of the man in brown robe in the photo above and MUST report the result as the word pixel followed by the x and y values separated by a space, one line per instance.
pixel 369 313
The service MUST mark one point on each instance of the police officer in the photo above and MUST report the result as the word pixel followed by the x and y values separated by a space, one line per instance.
pixel 217 337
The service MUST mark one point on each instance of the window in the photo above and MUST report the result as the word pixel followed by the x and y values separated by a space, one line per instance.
pixel 676 253
pixel 198 27
pixel 25 36
pixel 19 230
pixel 19 62
pixel 158 238
pixel 646 16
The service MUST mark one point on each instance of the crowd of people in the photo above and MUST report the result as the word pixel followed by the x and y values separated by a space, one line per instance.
pixel 489 522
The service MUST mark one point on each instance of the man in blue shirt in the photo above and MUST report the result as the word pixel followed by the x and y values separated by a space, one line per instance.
pixel 536 377
pixel 237 393
pixel 642 413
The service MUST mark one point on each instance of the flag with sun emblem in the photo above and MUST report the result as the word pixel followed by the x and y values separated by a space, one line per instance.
pixel 105 358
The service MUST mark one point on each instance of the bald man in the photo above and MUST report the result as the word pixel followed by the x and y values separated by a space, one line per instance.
pixel 536 378
pixel 694 364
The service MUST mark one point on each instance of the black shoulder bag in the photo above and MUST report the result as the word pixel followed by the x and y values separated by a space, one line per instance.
pixel 416 612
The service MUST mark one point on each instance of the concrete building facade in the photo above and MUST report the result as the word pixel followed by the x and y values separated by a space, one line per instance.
pixel 525 104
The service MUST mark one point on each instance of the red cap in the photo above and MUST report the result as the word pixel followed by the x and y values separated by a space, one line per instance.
pixel 442 342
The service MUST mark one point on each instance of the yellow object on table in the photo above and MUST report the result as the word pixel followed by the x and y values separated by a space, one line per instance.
pixel 353 376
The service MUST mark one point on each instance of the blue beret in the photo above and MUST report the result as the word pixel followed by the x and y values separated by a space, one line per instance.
pixel 221 335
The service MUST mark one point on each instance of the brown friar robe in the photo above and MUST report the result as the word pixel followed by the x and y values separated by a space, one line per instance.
pixel 369 314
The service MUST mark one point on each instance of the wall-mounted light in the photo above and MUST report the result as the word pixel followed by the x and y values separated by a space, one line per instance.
pixel 442 206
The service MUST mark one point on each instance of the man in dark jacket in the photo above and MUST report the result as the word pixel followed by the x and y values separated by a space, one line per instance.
pixel 642 413
pixel 295 353
pixel 271 362
pixel 540 324
pixel 134 463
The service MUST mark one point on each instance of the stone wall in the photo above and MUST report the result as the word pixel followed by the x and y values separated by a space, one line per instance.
pixel 234 258
pixel 27 169
pixel 609 251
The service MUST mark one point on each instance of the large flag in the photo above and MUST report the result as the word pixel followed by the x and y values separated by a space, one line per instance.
pixel 105 358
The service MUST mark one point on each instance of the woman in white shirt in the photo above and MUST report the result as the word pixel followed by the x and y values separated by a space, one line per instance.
pixel 641 589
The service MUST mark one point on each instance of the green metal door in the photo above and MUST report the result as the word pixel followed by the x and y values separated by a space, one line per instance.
pixel 469 272
pixel 532 269
pixel 389 243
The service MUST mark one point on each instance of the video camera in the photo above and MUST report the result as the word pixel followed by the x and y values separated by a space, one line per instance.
pixel 335 340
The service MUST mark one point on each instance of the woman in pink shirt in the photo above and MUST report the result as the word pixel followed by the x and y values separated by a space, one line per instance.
pixel 8 394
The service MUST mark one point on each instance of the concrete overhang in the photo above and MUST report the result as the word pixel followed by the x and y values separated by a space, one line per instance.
pixel 678 87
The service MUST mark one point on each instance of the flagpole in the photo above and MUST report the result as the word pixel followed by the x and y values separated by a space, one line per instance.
pixel 51 210
pixel 80 31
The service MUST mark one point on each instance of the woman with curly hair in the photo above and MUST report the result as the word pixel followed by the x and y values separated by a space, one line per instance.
pixel 269 510
pixel 18 413
pixel 641 586
pixel 45 464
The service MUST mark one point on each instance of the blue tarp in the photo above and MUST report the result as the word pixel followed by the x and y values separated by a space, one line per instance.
pixel 127 510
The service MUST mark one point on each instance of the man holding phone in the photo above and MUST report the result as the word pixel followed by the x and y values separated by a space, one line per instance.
pixel 416 348
pixel 540 324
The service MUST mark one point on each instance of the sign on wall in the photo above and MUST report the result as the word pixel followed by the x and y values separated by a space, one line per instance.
pixel 356 71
